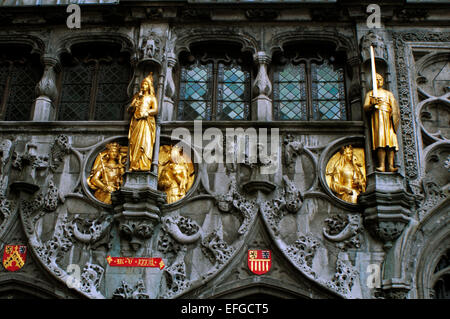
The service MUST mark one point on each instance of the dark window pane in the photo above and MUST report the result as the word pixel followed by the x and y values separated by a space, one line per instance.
pixel 113 79
pixel 76 92
pixel 21 93
pixel 4 69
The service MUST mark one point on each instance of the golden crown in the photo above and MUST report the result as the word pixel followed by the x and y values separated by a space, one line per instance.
pixel 112 146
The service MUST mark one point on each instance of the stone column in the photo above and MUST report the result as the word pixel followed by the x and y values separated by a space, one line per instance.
pixel 46 90
pixel 262 88
pixel 167 110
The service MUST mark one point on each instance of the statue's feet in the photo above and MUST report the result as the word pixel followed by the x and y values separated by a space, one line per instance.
pixel 393 169
pixel 380 169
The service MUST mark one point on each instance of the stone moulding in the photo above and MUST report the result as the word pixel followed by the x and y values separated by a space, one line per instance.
pixel 401 41
pixel 248 42
pixel 342 42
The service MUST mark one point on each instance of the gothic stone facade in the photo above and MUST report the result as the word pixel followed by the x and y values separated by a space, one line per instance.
pixel 392 243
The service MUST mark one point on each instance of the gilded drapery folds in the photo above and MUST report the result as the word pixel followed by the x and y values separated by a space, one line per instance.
pixel 141 135
pixel 175 172
pixel 346 173
pixel 106 173
pixel 385 118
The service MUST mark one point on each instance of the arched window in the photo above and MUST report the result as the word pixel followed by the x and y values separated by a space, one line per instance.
pixel 309 85
pixel 19 74
pixel 441 277
pixel 94 83
pixel 214 84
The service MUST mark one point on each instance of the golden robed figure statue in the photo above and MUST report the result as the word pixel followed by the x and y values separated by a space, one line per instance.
pixel 106 173
pixel 141 136
pixel 385 116
pixel 175 173
pixel 346 174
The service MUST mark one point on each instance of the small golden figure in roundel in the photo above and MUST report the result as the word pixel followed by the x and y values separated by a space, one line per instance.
pixel 346 173
pixel 175 172
pixel 107 171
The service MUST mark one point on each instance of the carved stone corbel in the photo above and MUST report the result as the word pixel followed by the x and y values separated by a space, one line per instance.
pixel 137 204
pixel 376 41
pixel 28 163
pixel 124 291
pixel 386 206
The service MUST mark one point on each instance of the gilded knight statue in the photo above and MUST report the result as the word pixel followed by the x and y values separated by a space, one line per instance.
pixel 141 136
pixel 346 175
pixel 385 116
pixel 106 173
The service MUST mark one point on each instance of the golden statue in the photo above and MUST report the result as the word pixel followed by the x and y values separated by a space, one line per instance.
pixel 175 172
pixel 346 173
pixel 384 119
pixel 106 173
pixel 141 136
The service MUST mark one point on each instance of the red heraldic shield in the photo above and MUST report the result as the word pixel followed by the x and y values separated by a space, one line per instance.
pixel 14 257
pixel 259 261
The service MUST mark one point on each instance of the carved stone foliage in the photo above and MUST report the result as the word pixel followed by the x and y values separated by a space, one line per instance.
pixel 235 203
pixel 5 204
pixel 5 154
pixel 176 280
pixel 91 277
pixel 345 276
pixel 288 200
pixel 53 249
pixel 43 203
pixel 433 194
pixel 216 249
pixel 60 148
pixel 302 253
pixel 92 232
pixel 124 291
pixel 344 230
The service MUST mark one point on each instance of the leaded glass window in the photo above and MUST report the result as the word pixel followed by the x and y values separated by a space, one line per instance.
pixel 195 92
pixel 94 87
pixel 214 87
pixel 290 93
pixel 309 89
pixel 232 98
pixel 18 79
pixel 328 93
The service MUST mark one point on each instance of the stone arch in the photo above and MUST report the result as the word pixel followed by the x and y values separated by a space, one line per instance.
pixel 263 288
pixel 65 44
pixel 21 286
pixel 247 42
pixel 341 42
pixel 430 241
